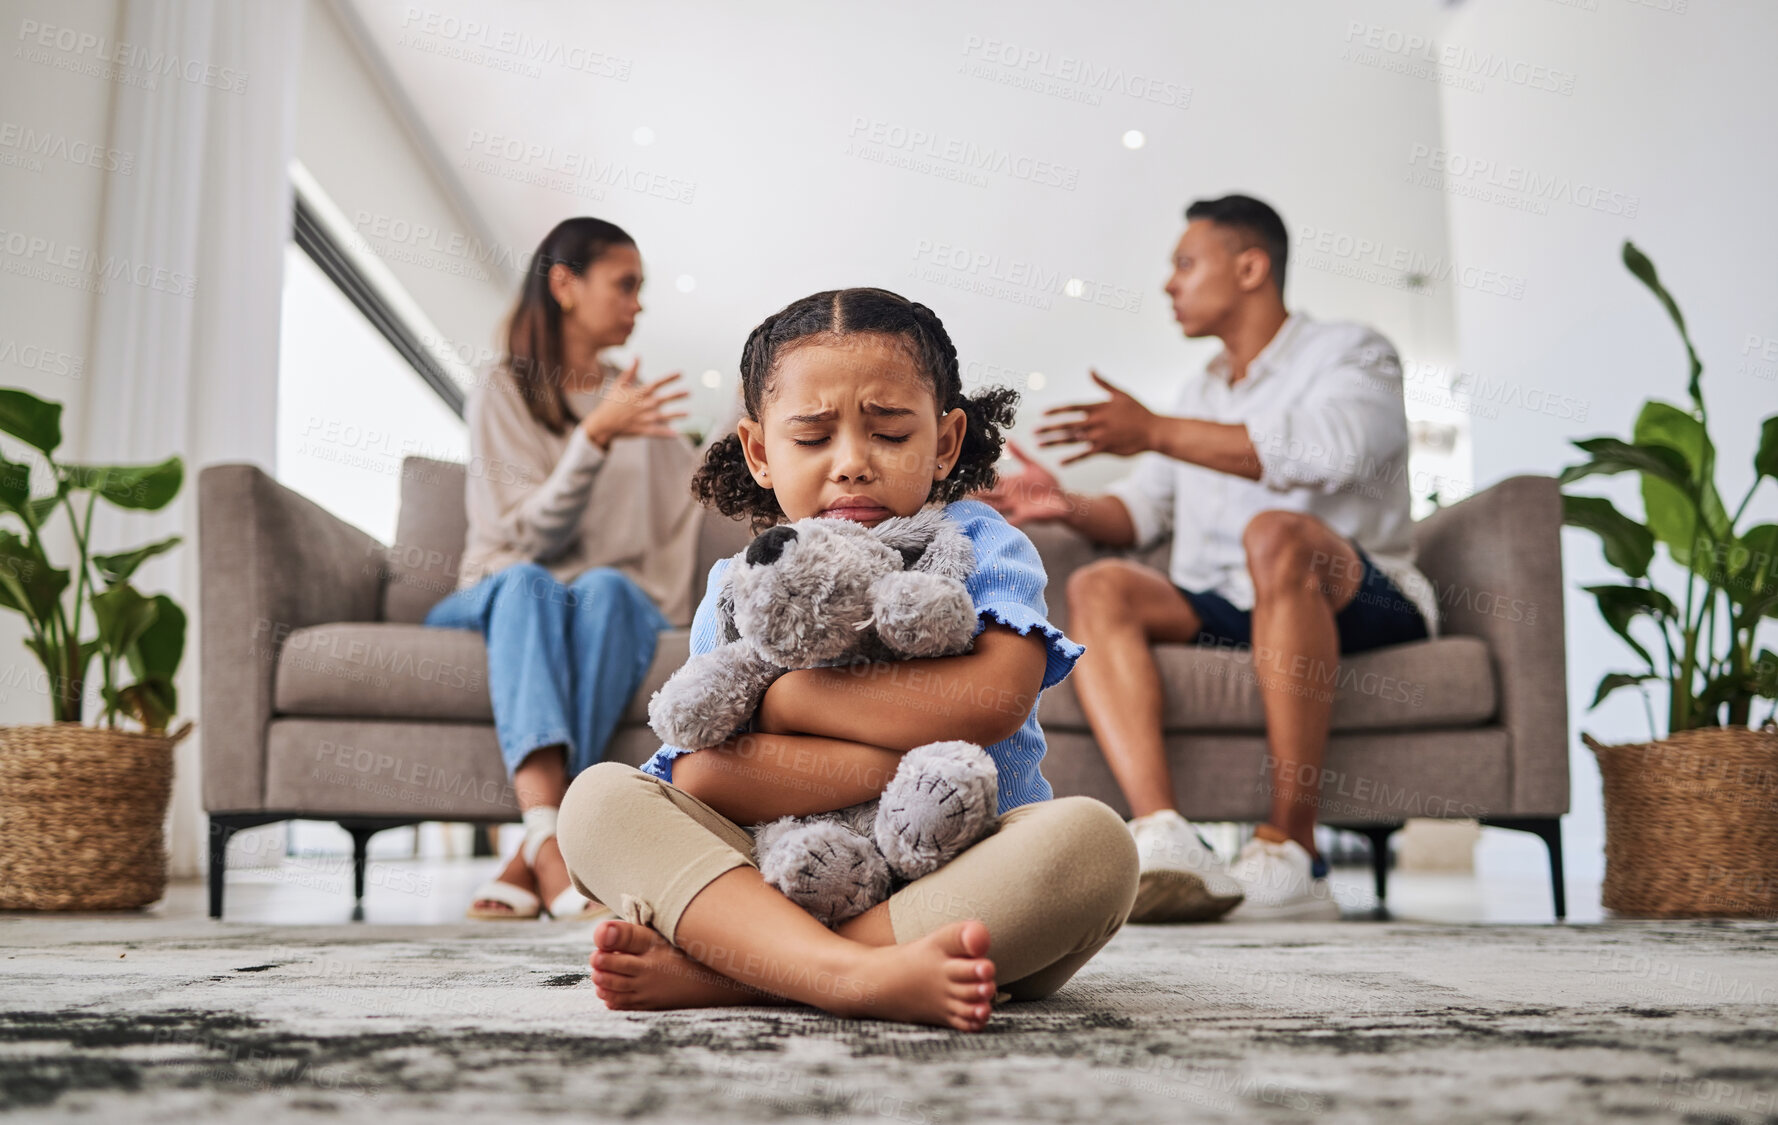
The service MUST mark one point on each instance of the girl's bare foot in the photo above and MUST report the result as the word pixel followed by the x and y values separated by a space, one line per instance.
pixel 944 979
pixel 516 873
pixel 636 969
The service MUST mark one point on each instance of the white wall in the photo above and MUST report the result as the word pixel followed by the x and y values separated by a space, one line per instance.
pixel 1669 131
pixel 374 167
pixel 56 164
pixel 773 128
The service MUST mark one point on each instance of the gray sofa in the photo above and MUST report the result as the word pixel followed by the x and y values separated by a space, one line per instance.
pixel 325 698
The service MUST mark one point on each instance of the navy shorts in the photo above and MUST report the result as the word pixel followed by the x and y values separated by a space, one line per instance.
pixel 1378 616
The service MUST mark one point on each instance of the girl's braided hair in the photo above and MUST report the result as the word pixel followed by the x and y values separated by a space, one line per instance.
pixel 724 482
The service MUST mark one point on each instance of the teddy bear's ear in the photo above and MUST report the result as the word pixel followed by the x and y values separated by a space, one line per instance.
pixel 911 555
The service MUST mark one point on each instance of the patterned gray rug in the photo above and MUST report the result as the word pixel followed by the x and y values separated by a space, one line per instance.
pixel 161 1021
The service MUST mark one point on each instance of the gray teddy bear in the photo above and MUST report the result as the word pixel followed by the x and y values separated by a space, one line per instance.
pixel 824 592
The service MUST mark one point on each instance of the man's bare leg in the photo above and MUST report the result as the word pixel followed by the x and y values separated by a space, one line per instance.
pixel 741 927
pixel 1303 575
pixel 1117 609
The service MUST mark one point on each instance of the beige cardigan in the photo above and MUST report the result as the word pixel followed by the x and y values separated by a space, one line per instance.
pixel 560 501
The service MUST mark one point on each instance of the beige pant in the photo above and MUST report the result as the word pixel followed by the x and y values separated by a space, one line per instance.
pixel 1053 883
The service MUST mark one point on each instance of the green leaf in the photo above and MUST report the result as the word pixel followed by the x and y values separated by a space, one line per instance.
pixel 123 616
pixel 1615 680
pixel 30 419
pixel 118 568
pixel 27 582
pixel 153 703
pixel 1620 605
pixel 1638 263
pixel 1688 518
pixel 1753 583
pixel 1765 674
pixel 145 487
pixel 15 485
pixel 43 506
pixel 1727 687
pixel 1611 456
pixel 1628 545
pixel 89 648
pixel 1765 459
pixel 157 704
pixel 157 651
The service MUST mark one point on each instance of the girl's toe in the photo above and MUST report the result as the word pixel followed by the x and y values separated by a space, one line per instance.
pixel 973 969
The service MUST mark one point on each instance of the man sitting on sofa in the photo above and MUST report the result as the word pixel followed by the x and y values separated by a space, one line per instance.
pixel 1281 472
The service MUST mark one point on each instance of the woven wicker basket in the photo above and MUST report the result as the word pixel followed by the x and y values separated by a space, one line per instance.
pixel 1691 824
pixel 81 815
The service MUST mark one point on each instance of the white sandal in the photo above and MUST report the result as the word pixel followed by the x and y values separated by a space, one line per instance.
pixel 540 825
pixel 525 905
pixel 540 828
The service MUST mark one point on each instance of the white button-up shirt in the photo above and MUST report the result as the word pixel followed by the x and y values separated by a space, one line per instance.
pixel 1322 404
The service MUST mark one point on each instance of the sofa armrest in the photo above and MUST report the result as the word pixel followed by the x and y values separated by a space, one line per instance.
pixel 1495 560
pixel 270 561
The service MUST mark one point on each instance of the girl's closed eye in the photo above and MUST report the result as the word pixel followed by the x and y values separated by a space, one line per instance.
pixel 895 438
pixel 855 407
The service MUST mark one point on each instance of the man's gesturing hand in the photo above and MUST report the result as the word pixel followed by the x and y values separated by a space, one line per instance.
pixel 1031 495
pixel 1120 425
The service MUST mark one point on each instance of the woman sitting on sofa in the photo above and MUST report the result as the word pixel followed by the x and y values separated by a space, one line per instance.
pixel 582 538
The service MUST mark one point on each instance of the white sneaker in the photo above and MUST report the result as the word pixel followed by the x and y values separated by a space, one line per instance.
pixel 1182 878
pixel 1280 883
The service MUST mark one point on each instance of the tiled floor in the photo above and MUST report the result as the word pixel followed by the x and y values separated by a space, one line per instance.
pixel 317 890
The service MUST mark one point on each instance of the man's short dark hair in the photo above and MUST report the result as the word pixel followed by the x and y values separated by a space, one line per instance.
pixel 1255 221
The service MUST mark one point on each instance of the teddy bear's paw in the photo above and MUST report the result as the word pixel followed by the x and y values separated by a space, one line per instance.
pixel 824 867
pixel 710 697
pixel 940 801
pixel 919 614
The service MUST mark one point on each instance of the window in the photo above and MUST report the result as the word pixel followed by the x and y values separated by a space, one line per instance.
pixel 351 405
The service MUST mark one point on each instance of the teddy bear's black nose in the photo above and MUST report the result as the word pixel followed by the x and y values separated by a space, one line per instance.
pixel 768 545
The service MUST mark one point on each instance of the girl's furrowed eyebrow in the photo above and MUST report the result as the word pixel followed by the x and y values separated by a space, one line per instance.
pixel 873 408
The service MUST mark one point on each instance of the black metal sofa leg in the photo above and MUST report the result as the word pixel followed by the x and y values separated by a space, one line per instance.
pixel 223 827
pixel 362 831
pixel 1549 830
pixel 220 834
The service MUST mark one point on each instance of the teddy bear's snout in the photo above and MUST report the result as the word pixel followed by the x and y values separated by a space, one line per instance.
pixel 768 545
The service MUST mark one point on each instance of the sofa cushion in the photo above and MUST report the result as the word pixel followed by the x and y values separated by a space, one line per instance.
pixel 377 670
pixel 1443 683
pixel 423 565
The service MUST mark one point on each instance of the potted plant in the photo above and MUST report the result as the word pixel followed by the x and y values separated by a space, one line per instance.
pixel 1691 818
pixel 82 807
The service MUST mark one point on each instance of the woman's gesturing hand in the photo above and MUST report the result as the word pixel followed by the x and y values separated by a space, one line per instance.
pixel 629 407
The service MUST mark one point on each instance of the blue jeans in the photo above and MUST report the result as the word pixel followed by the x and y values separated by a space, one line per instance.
pixel 563 660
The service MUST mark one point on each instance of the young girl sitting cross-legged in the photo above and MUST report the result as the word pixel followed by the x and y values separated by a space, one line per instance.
pixel 856 410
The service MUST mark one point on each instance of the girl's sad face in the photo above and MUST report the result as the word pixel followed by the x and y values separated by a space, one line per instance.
pixel 850 429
